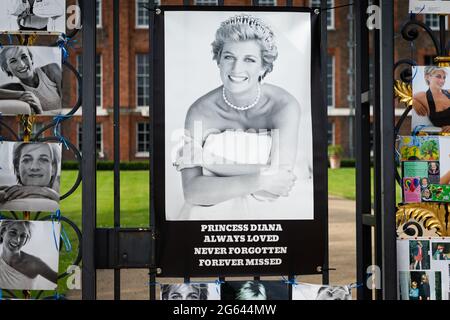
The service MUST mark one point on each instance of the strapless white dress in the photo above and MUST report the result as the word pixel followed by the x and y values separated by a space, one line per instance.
pixel 236 153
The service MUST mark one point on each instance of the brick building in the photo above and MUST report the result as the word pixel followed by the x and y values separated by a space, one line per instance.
pixel 134 67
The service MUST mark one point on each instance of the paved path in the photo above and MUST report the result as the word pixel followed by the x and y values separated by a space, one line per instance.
pixel 342 257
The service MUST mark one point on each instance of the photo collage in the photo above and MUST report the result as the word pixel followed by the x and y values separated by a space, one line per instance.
pixel 424 269
pixel 425 164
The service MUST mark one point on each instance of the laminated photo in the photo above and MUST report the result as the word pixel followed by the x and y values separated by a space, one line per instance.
pixel 423 268
pixel 33 16
pixel 30 176
pixel 29 254
pixel 414 148
pixel 305 291
pixel 431 98
pixel 190 291
pixel 429 6
pixel 30 80
pixel 411 190
pixel 254 290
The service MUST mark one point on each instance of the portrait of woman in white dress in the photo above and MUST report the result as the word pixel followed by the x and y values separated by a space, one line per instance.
pixel 242 154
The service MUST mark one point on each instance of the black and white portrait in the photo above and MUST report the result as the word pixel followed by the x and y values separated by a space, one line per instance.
pixel 254 290
pixel 28 254
pixel 304 291
pixel 238 121
pixel 190 291
pixel 431 103
pixel 33 15
pixel 30 176
pixel 30 80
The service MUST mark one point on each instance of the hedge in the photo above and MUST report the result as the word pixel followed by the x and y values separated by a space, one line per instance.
pixel 109 165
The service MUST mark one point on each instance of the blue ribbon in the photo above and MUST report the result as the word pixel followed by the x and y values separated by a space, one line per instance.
pixel 57 129
pixel 65 239
pixel 56 216
pixel 10 39
pixel 292 282
pixel 1 294
pixel 64 43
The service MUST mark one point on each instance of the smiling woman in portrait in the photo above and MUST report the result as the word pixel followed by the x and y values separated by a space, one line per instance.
pixel 18 269
pixel 36 167
pixel 38 87
pixel 247 149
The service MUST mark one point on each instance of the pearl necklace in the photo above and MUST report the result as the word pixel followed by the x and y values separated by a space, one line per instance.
pixel 258 96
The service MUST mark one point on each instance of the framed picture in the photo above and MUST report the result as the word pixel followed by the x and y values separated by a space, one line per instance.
pixel 30 176
pixel 237 142
pixel 33 16
pixel 28 254
pixel 30 80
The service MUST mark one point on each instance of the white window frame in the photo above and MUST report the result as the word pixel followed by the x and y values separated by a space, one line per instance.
pixel 100 16
pixel 331 25
pixel 196 4
pixel 136 12
pixel 100 125
pixel 333 82
pixel 101 82
pixel 268 5
pixel 333 133
pixel 137 86
pixel 141 154
pixel 435 28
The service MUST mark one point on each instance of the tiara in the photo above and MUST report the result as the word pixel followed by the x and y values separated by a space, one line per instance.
pixel 255 23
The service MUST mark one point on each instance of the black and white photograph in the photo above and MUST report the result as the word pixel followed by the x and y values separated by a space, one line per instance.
pixel 30 80
pixel 238 116
pixel 28 254
pixel 429 6
pixel 30 176
pixel 254 290
pixel 420 285
pixel 431 103
pixel 190 291
pixel 33 16
pixel 306 291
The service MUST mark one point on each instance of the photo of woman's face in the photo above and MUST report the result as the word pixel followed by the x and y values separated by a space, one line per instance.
pixel 15 237
pixel 437 79
pixel 20 63
pixel 35 165
pixel 184 292
pixel 240 65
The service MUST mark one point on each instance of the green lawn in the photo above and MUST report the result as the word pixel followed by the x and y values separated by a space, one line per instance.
pixel 342 183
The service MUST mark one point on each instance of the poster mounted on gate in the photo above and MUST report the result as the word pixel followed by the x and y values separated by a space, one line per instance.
pixel 239 140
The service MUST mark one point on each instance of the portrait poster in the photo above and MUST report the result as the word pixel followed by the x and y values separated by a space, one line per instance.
pixel 423 265
pixel 30 176
pixel 306 291
pixel 29 255
pixel 30 80
pixel 190 291
pixel 254 290
pixel 33 16
pixel 431 95
pixel 429 6
pixel 238 170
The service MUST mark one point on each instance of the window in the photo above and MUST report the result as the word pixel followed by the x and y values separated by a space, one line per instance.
pixel 330 133
pixel 143 138
pixel 142 80
pixel 267 3
pixel 330 13
pixel 432 20
pixel 142 14
pixel 205 2
pixel 330 81
pixel 98 15
pixel 99 138
pixel 98 76
pixel 36 128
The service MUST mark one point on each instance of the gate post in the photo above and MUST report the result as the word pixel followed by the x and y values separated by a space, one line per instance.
pixel 89 194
